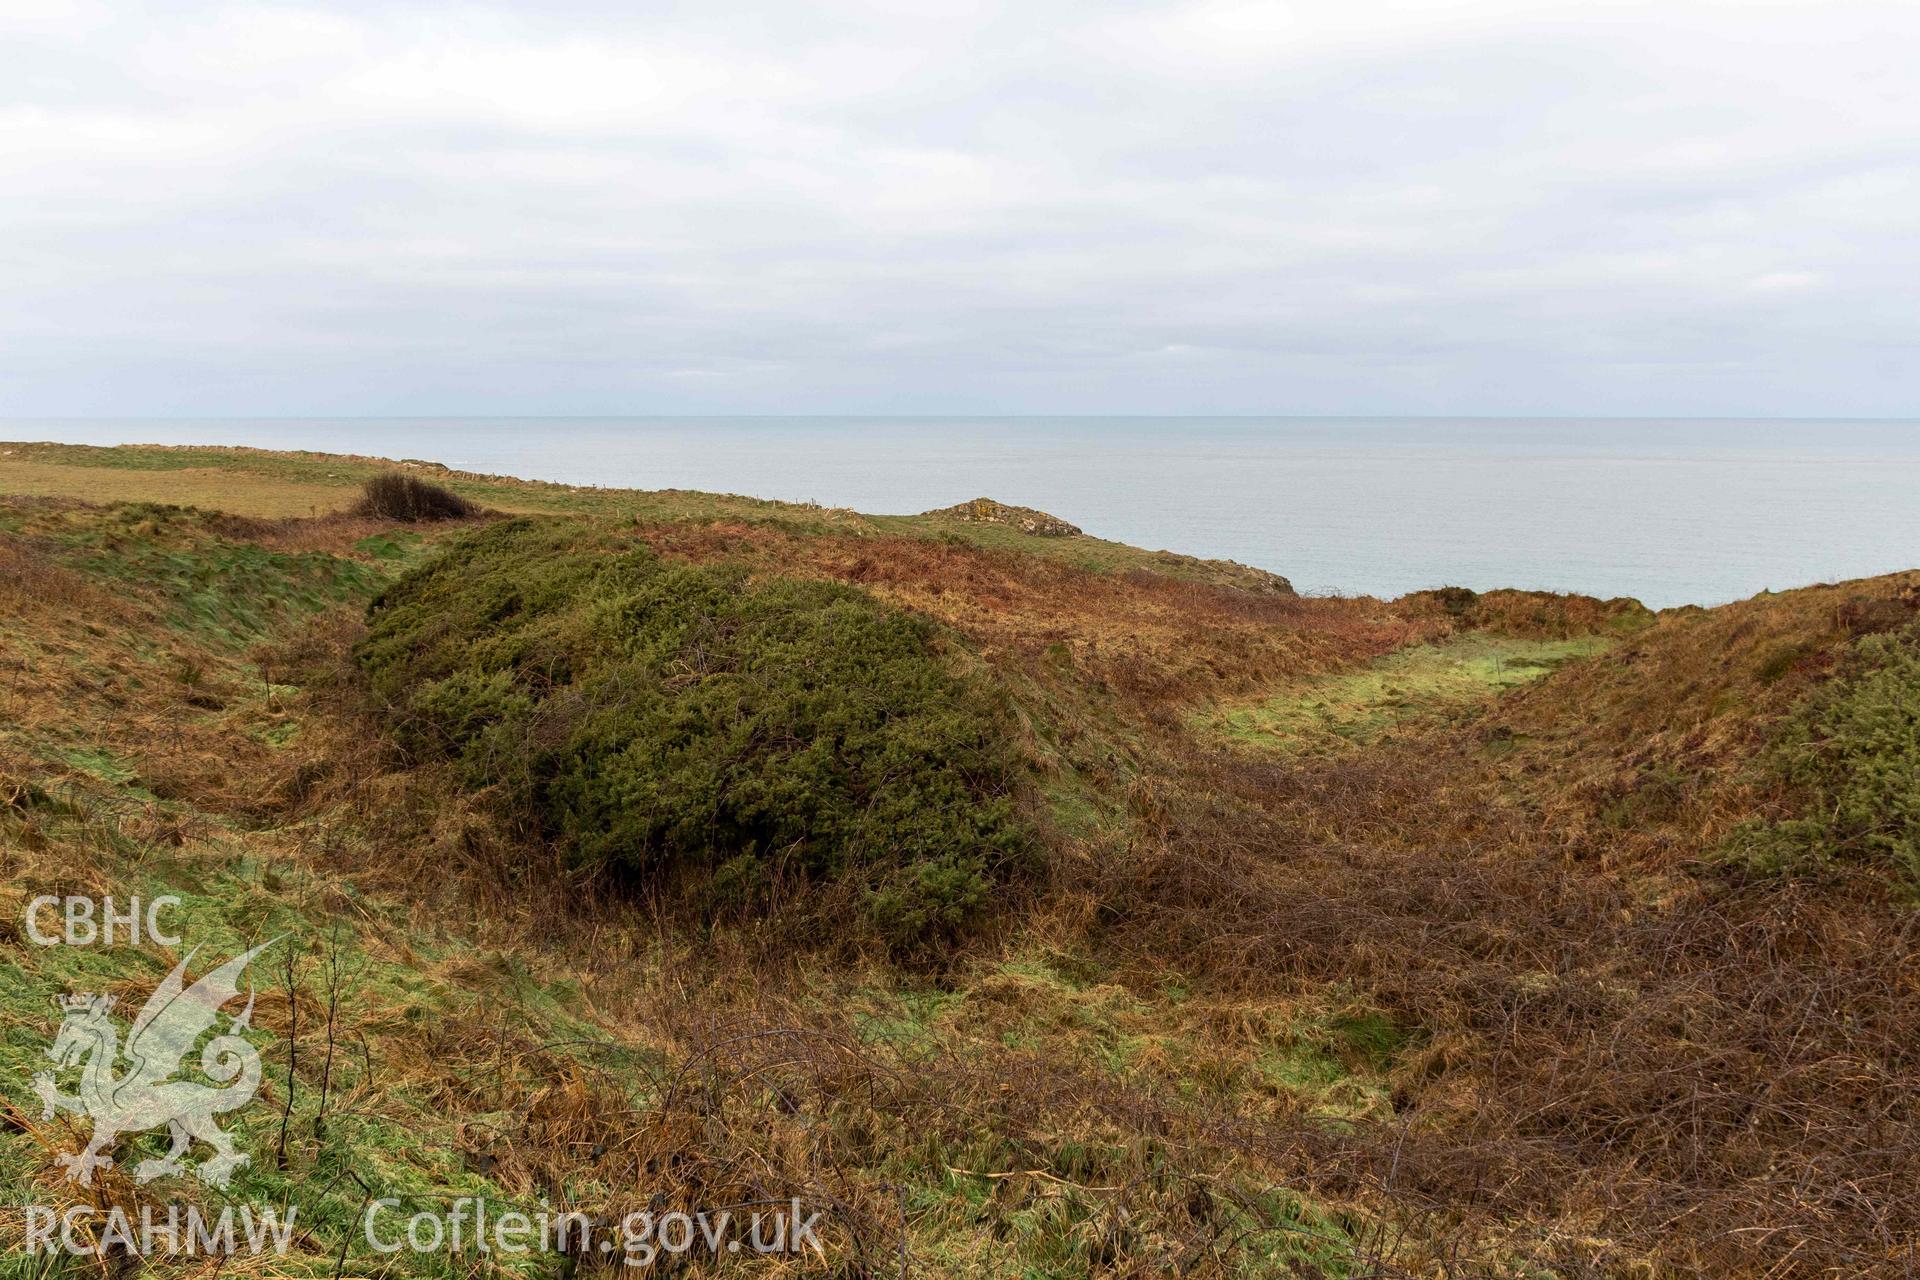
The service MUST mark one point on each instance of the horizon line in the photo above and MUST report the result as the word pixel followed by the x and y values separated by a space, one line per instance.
pixel 929 416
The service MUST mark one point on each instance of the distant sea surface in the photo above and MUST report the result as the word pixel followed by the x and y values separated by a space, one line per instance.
pixel 1673 512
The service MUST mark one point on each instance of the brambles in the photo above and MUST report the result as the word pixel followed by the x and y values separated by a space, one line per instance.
pixel 411 499
pixel 751 740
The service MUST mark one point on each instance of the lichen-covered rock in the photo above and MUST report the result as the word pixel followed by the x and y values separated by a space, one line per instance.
pixel 1025 519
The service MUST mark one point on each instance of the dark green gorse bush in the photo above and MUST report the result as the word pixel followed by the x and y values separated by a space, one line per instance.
pixel 1850 755
pixel 782 739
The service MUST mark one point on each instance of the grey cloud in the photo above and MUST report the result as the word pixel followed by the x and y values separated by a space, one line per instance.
pixel 1690 207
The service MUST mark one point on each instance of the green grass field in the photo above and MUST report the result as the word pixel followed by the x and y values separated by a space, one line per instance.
pixel 1422 684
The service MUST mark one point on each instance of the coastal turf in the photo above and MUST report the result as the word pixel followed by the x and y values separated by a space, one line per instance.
pixel 1437 960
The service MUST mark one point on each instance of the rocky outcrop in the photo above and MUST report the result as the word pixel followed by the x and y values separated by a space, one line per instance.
pixel 1025 519
pixel 1225 573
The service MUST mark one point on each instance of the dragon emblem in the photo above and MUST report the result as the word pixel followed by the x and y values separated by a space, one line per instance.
pixel 142 1097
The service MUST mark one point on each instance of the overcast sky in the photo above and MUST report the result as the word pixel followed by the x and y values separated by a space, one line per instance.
pixel 1674 207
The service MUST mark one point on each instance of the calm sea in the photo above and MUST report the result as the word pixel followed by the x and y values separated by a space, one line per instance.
pixel 1674 512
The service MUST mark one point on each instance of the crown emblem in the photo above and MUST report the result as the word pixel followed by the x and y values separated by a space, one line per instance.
pixel 86 1003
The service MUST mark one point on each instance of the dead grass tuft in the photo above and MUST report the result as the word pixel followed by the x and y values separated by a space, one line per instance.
pixel 411 500
pixel 32 581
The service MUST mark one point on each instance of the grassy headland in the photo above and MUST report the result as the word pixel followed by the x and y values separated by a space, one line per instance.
pixel 1505 934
